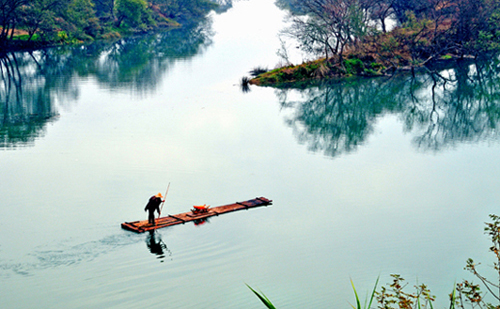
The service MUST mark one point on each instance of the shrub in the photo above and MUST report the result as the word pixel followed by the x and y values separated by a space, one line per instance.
pixel 353 66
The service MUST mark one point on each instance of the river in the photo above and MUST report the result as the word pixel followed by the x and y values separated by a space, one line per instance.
pixel 368 177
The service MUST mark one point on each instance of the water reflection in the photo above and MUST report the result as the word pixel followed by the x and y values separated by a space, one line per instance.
pixel 200 222
pixel 441 108
pixel 35 84
pixel 140 63
pixel 25 106
pixel 156 245
pixel 224 5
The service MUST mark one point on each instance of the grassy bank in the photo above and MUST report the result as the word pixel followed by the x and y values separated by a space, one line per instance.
pixel 319 69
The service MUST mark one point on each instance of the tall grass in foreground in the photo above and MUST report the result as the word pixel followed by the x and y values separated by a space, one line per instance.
pixel 464 295
pixel 394 297
pixel 358 303
pixel 263 298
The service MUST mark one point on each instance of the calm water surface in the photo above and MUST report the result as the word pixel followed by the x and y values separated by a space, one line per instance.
pixel 368 177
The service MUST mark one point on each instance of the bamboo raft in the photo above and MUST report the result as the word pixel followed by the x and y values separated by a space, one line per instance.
pixel 143 226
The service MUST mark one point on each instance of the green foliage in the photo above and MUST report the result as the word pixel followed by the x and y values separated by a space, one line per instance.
pixel 130 11
pixel 86 20
pixel 489 38
pixel 319 69
pixel 263 298
pixel 377 66
pixel 62 36
pixel 81 16
pixel 40 17
pixel 356 19
pixel 472 292
pixel 27 38
pixel 368 301
pixel 185 11
pixel 389 45
pixel 396 297
pixel 353 66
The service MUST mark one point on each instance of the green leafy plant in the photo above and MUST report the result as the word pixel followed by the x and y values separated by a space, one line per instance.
pixel 396 297
pixel 353 66
pixel 470 293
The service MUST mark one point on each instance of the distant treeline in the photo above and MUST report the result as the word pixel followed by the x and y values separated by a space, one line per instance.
pixel 31 23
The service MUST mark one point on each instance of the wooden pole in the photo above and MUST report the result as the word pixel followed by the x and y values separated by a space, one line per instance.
pixel 162 203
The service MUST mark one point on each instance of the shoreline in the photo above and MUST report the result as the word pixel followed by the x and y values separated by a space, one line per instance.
pixel 19 45
pixel 322 69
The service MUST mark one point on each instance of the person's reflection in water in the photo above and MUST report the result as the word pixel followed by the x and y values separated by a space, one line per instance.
pixel 156 246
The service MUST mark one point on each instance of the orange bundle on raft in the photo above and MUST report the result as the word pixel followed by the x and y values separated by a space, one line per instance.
pixel 200 208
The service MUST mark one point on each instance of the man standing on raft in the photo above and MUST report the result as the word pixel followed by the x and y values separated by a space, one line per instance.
pixel 154 204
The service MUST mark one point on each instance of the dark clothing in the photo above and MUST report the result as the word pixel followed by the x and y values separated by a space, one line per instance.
pixel 153 204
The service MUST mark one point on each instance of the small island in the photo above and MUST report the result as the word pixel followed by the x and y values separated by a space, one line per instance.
pixel 350 37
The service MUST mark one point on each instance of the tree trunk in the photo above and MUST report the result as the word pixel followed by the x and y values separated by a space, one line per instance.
pixel 12 32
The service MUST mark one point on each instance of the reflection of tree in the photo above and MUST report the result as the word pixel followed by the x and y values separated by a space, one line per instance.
pixel 459 105
pixel 290 5
pixel 33 82
pixel 224 5
pixel 25 106
pixel 141 62
pixel 456 105
pixel 337 117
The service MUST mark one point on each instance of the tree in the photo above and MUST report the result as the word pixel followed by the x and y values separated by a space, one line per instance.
pixel 186 11
pixel 81 17
pixel 380 11
pixel 401 7
pixel 8 17
pixel 40 16
pixel 475 24
pixel 130 11
pixel 327 27
pixel 105 8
